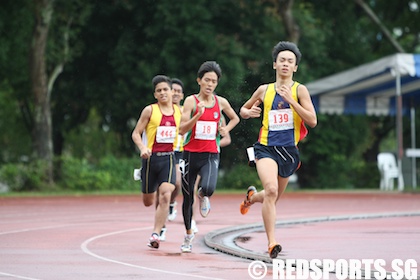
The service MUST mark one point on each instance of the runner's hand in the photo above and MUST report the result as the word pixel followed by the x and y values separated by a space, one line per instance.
pixel 255 111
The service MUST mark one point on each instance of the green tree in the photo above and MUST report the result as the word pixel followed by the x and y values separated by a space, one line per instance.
pixel 99 57
pixel 15 123
pixel 48 55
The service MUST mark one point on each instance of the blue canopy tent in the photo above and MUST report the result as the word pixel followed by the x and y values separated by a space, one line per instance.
pixel 388 86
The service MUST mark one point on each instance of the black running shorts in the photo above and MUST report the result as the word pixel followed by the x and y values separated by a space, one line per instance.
pixel 157 169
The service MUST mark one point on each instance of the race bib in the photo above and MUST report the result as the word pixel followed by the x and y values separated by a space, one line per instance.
pixel 280 119
pixel 165 134
pixel 205 130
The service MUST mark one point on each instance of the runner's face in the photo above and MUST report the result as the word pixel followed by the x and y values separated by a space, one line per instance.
pixel 285 64
pixel 178 94
pixel 208 83
pixel 163 92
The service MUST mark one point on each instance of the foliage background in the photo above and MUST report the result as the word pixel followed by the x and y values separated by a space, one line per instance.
pixel 116 47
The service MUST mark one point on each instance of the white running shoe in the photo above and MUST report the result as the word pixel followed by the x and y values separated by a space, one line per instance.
pixel 162 236
pixel 194 226
pixel 204 204
pixel 154 241
pixel 186 247
pixel 172 211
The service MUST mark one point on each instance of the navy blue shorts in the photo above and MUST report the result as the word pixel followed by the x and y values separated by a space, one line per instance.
pixel 287 158
pixel 157 169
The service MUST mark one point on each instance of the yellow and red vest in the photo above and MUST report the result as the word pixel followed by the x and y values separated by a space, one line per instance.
pixel 161 131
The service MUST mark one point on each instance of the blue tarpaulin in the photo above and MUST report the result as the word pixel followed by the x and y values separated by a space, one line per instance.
pixel 370 88
pixel 387 86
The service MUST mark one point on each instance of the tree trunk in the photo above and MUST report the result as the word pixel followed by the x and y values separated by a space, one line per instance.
pixel 42 130
pixel 290 25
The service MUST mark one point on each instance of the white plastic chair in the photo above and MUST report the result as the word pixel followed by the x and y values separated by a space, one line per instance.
pixel 388 169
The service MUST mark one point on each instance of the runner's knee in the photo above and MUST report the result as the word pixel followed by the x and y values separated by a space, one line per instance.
pixel 271 191
pixel 148 199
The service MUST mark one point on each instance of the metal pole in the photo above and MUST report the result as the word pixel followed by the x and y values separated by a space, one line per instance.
pixel 400 151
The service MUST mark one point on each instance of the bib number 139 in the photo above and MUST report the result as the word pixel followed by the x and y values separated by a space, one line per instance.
pixel 280 119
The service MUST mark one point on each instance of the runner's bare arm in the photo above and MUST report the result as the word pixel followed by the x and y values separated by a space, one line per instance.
pixel 188 122
pixel 250 109
pixel 304 107
pixel 230 113
pixel 138 130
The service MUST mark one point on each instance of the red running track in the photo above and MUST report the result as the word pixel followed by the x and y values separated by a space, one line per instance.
pixel 104 237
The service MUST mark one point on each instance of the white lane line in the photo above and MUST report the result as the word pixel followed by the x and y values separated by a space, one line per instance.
pixel 40 228
pixel 85 249
pixel 64 216
pixel 18 276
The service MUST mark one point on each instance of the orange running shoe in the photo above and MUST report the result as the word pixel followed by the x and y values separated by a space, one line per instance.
pixel 246 204
pixel 274 250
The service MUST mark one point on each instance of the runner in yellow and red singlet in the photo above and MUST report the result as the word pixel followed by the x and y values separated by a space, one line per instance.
pixel 155 135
